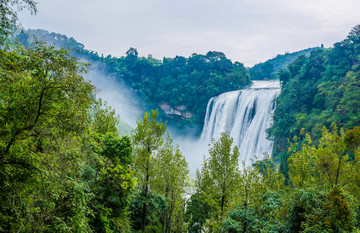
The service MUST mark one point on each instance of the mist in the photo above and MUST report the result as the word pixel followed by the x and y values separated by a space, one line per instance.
pixel 118 95
pixel 194 150
pixel 130 108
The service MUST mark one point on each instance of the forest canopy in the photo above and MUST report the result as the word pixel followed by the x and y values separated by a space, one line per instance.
pixel 316 91
pixel 186 83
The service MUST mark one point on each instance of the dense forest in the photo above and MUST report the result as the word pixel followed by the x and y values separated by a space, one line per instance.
pixel 64 167
pixel 183 84
pixel 318 90
pixel 186 83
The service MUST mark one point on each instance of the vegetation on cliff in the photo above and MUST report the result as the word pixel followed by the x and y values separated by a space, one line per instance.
pixel 317 91
pixel 178 81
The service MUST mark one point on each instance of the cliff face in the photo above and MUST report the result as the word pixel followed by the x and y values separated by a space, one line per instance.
pixel 176 111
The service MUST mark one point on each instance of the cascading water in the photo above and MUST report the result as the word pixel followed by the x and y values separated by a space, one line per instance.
pixel 245 114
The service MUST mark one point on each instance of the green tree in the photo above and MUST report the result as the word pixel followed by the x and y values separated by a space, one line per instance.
pixel 104 118
pixel 171 181
pixel 107 171
pixel 156 204
pixel 8 15
pixel 219 179
pixel 330 164
pixel 63 167
pixel 259 199
pixel 147 140
pixel 325 183
pixel 62 163
pixel 183 83
pixel 197 212
pixel 112 184
pixel 317 91
pixel 42 92
pixel 163 173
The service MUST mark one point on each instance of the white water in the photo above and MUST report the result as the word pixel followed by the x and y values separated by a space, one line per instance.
pixel 245 114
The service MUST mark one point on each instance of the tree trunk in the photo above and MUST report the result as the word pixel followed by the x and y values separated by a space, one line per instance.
pixel 146 189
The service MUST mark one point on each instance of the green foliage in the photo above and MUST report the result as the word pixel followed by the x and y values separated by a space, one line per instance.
pixel 147 139
pixel 171 181
pixel 241 220
pixel 156 204
pixel 328 165
pixel 64 175
pixel 325 181
pixel 63 167
pixel 314 210
pixel 41 152
pixel 104 118
pixel 262 219
pixel 178 81
pixel 197 212
pixel 322 195
pixel 236 200
pixel 339 214
pixel 9 17
pixel 112 184
pixel 317 91
pixel 259 200
pixel 161 171
pixel 218 180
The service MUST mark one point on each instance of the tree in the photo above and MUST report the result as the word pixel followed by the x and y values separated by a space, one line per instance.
pixel 132 52
pixel 219 179
pixel 63 167
pixel 330 164
pixel 325 182
pixel 317 91
pixel 41 145
pixel 112 184
pixel 8 15
pixel 163 173
pixel 41 76
pixel 197 212
pixel 171 181
pixel 147 140
pixel 104 118
pixel 258 198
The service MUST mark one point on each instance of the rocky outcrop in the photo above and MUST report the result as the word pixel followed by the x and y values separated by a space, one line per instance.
pixel 177 111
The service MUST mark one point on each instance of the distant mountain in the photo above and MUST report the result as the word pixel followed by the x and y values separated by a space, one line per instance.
pixel 30 36
pixel 270 68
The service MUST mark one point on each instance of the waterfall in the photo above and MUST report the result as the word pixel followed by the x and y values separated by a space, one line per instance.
pixel 245 114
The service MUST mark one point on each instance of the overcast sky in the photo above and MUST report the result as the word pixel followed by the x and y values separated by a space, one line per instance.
pixel 248 31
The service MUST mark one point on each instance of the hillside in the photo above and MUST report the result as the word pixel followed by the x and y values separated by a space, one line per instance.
pixel 270 68
pixel 317 91
pixel 180 86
